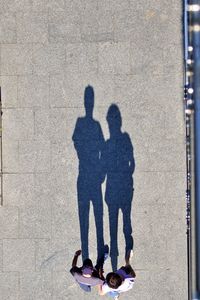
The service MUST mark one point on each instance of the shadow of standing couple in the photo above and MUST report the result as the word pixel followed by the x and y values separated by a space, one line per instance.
pixel 99 159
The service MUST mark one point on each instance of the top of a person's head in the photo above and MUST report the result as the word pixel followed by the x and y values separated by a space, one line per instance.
pixel 89 97
pixel 113 117
pixel 113 280
pixel 87 268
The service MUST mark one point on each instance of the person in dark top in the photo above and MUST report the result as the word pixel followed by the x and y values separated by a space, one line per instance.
pixel 119 165
pixel 88 141
pixel 87 275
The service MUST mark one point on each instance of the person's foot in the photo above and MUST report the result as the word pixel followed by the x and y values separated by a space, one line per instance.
pixel 128 257
pixel 116 297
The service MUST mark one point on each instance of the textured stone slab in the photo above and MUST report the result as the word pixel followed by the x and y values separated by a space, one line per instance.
pixel 18 255
pixel 9 286
pixel 9 91
pixel 114 58
pixel 8 32
pixel 1 255
pixel 35 221
pixel 16 59
pixel 54 254
pixel 81 58
pixel 113 5
pixel 14 6
pixel 9 218
pixel 35 285
pixel 18 189
pixel 18 124
pixel 48 59
pixel 34 156
pixel 64 27
pixel 10 156
pixel 33 91
pixel 32 27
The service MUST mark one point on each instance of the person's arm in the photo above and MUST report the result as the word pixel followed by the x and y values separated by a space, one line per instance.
pixel 75 259
pixel 100 290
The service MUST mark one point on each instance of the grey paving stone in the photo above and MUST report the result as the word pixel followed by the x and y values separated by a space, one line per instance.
pixel 10 156
pixel 60 227
pixel 9 226
pixel 114 58
pixel 9 91
pixel 13 6
pixel 42 124
pixel 9 287
pixel 56 5
pixel 81 58
pixel 89 23
pixel 18 124
pixel 161 157
pixel 1 255
pixel 42 189
pixel 35 285
pixel 18 255
pixel 53 254
pixel 32 27
pixel 64 27
pixel 113 5
pixel 58 93
pixel 160 277
pixel 48 59
pixel 34 156
pixel 58 124
pixel 128 25
pixel 150 187
pixel 7 28
pixel 174 182
pixel 41 6
pixel 16 59
pixel 18 189
pixel 33 91
pixel 63 187
pixel 35 221
pixel 105 25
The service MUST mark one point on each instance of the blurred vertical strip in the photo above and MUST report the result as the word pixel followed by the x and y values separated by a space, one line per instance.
pixel 195 36
pixel 1 157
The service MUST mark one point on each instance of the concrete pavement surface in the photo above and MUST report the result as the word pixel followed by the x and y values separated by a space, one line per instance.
pixel 130 52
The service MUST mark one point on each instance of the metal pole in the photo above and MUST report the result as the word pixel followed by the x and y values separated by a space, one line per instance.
pixel 195 29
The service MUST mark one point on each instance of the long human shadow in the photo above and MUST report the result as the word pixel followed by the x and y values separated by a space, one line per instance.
pixel 119 165
pixel 89 141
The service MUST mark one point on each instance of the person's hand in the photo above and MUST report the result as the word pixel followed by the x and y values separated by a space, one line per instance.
pixel 78 252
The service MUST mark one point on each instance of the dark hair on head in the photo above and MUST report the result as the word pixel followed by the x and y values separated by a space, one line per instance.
pixel 88 263
pixel 113 280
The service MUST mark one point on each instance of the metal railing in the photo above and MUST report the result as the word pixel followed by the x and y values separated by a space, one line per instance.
pixel 191 13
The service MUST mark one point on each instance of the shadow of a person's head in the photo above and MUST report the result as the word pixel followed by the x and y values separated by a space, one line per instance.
pixel 89 101
pixel 114 120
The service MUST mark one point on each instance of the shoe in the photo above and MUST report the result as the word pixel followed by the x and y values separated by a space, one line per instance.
pixel 116 297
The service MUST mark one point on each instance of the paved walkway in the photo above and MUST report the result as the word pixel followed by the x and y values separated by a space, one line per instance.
pixel 131 54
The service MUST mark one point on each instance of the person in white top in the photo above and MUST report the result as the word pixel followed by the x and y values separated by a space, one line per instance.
pixel 120 281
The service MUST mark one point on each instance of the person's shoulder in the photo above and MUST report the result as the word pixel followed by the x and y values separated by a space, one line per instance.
pixel 74 270
pixel 105 288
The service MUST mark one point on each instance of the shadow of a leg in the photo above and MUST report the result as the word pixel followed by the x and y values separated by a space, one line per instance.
pixel 84 208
